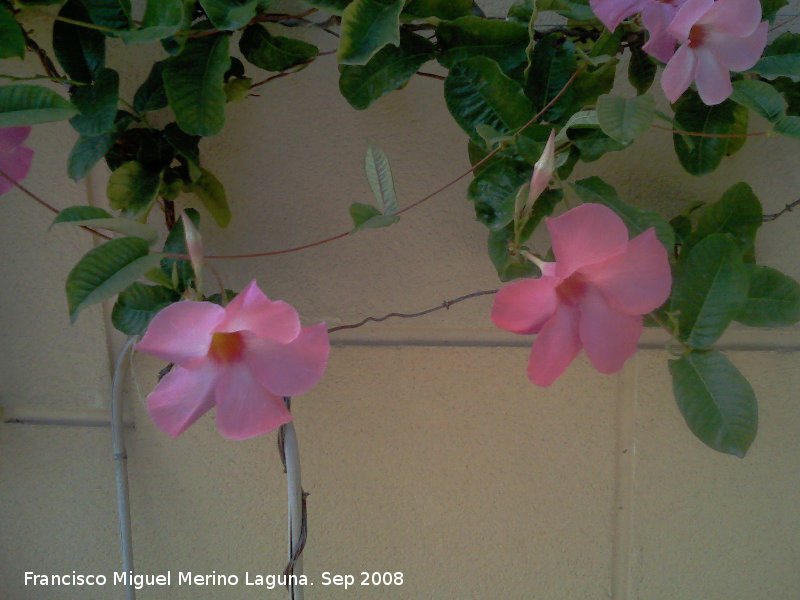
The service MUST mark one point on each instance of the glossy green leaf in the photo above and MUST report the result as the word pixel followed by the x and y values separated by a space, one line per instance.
pixel 274 53
pixel 381 182
pixel 577 10
pixel 709 290
pixel 366 216
pixel 162 18
pixel 97 218
pixel 138 304
pixel 759 97
pixel 229 14
pixel 593 143
pixel 107 270
pixel 769 8
pixel 442 9
pixel 12 42
pixel 701 155
pixel 81 51
pixel 132 188
pixel 97 104
pixel 368 26
pixel 773 299
pixel 335 7
pixel 716 401
pixel 738 213
pixel 23 104
pixel 741 120
pixel 89 150
pixel 508 266
pixel 625 119
pixel 552 64
pixel 179 269
pixel 212 194
pixel 781 58
pixel 789 126
pixel 477 92
pixel 151 95
pixel 193 81
pixel 637 220
pixel 494 191
pixel 115 14
pixel 466 37
pixel 187 146
pixel 641 70
pixel 388 70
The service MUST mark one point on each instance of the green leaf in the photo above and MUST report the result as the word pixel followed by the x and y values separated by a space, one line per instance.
pixel 81 51
pixel 274 53
pixel 710 290
pixel 773 299
pixel 162 18
pixel 508 267
pixel 442 9
pixel 637 220
pixel 97 218
pixel 138 304
pixel 335 7
pixel 781 58
pixel 151 95
pixel 187 146
pixel 132 188
pixel 388 70
pixel 229 14
pixel 176 244
pixel 701 155
pixel 30 104
pixel 738 213
pixel 716 401
pixel 759 97
pixel 788 126
pixel 193 81
pixel 466 37
pixel 494 191
pixel 593 144
pixel 552 64
pixel 577 10
pixel 769 8
pixel 625 119
pixel 12 42
pixel 97 104
pixel 379 176
pixel 477 92
pixel 368 26
pixel 366 216
pixel 212 194
pixel 741 118
pixel 641 69
pixel 115 14
pixel 89 150
pixel 107 270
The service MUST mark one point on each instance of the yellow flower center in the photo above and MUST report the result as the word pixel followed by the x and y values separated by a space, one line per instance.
pixel 227 347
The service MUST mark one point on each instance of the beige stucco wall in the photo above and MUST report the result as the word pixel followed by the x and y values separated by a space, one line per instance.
pixel 425 449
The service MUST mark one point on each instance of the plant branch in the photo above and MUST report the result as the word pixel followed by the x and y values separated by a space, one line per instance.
pixel 47 63
pixel 443 306
pixel 786 209
pixel 710 135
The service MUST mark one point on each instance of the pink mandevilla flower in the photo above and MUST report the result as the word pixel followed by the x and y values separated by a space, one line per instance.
pixel 716 38
pixel 243 358
pixel 15 159
pixel 592 297
pixel 656 16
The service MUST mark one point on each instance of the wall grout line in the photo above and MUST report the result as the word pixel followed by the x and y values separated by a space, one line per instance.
pixel 625 473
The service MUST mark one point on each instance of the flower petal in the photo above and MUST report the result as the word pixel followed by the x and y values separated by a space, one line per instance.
pixel 613 12
pixel 252 311
pixel 739 54
pixel 542 171
pixel 587 234
pixel 736 17
pixel 15 164
pixel 686 17
pixel 657 17
pixel 712 78
pixel 290 369
pixel 181 333
pixel 679 73
pixel 637 281
pixel 609 337
pixel 181 397
pixel 11 137
pixel 244 407
pixel 555 347
pixel 524 305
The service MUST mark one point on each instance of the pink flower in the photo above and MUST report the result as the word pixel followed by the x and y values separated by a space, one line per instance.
pixel 592 297
pixel 15 159
pixel 656 15
pixel 243 358
pixel 716 38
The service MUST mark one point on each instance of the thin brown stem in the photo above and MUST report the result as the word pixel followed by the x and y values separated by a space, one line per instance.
pixel 431 75
pixel 710 135
pixel 786 209
pixel 443 306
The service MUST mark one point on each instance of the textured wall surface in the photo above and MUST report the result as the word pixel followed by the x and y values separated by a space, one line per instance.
pixel 425 449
